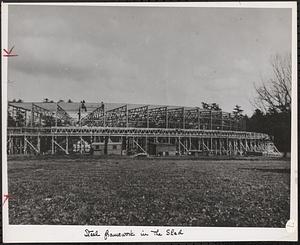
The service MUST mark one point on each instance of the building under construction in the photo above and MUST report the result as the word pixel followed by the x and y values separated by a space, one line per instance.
pixel 66 128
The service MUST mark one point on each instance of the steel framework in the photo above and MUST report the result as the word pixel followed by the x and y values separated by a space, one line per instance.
pixel 26 140
pixel 37 130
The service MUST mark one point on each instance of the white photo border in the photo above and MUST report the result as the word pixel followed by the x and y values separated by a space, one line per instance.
pixel 75 233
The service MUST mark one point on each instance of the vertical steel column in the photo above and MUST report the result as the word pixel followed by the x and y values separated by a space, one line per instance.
pixel 39 144
pixel 40 120
pixel 211 119
pixel 81 149
pixel 227 146
pixel 198 117
pixel 104 116
pixel 126 116
pixel 21 145
pixel 183 118
pixel 146 144
pixel 167 117
pixel 32 116
pixel 67 144
pixel 52 145
pixel 56 112
pixel 147 122
pixel 222 120
pixel 25 145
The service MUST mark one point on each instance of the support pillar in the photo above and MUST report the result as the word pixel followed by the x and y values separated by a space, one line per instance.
pixel 25 145
pixel 39 144
pixel 67 144
pixel 52 145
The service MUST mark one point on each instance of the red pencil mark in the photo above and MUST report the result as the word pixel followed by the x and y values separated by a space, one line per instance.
pixel 6 197
pixel 8 53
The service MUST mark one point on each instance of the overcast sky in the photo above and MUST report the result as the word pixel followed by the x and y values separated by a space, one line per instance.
pixel 172 56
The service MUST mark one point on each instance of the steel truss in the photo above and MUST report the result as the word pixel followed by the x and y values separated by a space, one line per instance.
pixel 38 116
pixel 192 119
pixel 117 117
pixel 95 118
pixel 18 116
pixel 63 116
pixel 162 117
pixel 188 141
pixel 158 117
pixel 176 118
pixel 139 117
pixel 142 117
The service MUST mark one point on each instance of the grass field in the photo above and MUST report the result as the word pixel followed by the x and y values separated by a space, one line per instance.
pixel 149 192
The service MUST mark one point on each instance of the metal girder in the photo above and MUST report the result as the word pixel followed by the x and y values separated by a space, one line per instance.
pixel 32 146
pixel 151 132
pixel 40 110
pixel 63 149
pixel 138 145
pixel 95 118
pixel 117 117
pixel 138 117
pixel 38 114
pixel 192 118
pixel 176 118
pixel 18 115
pixel 63 115
pixel 143 116
pixel 158 117
pixel 18 107
pixel 184 147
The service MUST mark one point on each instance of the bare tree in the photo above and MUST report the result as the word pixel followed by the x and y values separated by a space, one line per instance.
pixel 274 95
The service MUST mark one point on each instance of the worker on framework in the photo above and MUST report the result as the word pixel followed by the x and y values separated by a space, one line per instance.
pixel 81 106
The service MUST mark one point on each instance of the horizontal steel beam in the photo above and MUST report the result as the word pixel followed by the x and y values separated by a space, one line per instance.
pixel 139 132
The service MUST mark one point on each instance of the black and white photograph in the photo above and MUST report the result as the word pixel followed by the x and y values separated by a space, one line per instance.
pixel 162 118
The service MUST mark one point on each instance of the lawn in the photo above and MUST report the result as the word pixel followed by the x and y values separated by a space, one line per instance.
pixel 158 192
